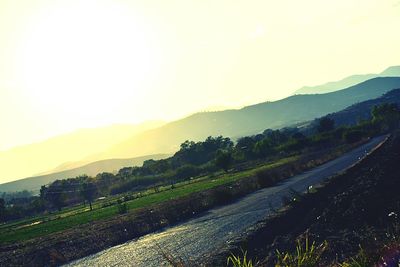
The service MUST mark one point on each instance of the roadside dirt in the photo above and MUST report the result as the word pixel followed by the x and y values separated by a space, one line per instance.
pixel 358 208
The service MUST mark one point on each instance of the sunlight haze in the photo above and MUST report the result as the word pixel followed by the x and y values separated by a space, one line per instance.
pixel 66 65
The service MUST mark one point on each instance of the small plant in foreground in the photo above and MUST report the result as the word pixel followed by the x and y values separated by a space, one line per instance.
pixel 361 260
pixel 238 261
pixel 305 256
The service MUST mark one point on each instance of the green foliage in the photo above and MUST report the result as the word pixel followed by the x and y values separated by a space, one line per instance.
pixel 305 256
pixel 237 261
pixel 2 210
pixel 122 208
pixel 263 148
pixel 293 144
pixel 201 158
pixel 361 260
pixel 224 160
pixel 201 152
pixel 72 217
pixel 387 116
pixel 88 192
pixel 275 137
pixel 325 124
pixel 55 194
pixel 323 139
pixel 245 146
pixel 187 171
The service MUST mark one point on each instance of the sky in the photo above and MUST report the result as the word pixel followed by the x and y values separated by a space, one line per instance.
pixel 70 64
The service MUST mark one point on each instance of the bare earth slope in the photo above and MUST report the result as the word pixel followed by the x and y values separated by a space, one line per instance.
pixel 357 208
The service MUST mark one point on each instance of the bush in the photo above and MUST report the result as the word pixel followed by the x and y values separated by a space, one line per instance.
pixel 122 208
pixel 223 160
pixel 187 171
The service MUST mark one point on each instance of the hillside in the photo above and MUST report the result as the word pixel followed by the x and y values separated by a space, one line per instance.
pixel 248 120
pixel 357 209
pixel 362 111
pixel 393 71
pixel 91 169
pixel 39 158
pixel 354 113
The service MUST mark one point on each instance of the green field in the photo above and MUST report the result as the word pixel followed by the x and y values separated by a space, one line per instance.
pixel 78 215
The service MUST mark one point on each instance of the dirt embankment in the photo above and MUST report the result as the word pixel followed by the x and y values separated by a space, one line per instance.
pixel 358 208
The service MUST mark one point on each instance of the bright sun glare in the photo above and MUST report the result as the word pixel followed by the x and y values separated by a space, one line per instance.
pixel 83 53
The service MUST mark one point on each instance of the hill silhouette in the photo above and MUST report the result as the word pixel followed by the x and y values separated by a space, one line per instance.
pixel 34 159
pixel 393 71
pixel 362 111
pixel 91 169
pixel 249 120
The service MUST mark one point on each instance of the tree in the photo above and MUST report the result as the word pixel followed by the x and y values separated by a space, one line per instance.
pixel 275 137
pixel 186 171
pixel 386 115
pixel 263 148
pixel 54 194
pixel 244 147
pixel 325 125
pixel 88 191
pixel 2 210
pixel 223 160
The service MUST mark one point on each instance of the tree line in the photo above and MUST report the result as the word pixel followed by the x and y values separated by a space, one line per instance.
pixel 194 159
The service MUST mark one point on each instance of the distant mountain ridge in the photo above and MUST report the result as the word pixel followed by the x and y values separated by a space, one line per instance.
pixel 232 123
pixel 362 111
pixel 393 71
pixel 249 120
pixel 91 169
pixel 29 160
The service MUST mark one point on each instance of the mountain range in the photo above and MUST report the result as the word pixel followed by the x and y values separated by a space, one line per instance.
pixel 393 71
pixel 362 111
pixel 43 157
pixel 249 120
pixel 91 169
pixel 70 152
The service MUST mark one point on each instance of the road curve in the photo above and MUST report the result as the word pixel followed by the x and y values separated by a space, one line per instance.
pixel 211 230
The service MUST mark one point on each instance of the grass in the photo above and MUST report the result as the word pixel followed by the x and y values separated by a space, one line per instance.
pixel 237 261
pixel 305 256
pixel 78 215
pixel 361 260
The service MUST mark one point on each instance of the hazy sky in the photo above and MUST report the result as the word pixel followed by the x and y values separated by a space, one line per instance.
pixel 82 63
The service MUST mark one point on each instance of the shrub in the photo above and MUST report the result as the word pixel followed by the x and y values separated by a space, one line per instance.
pixel 187 171
pixel 122 208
